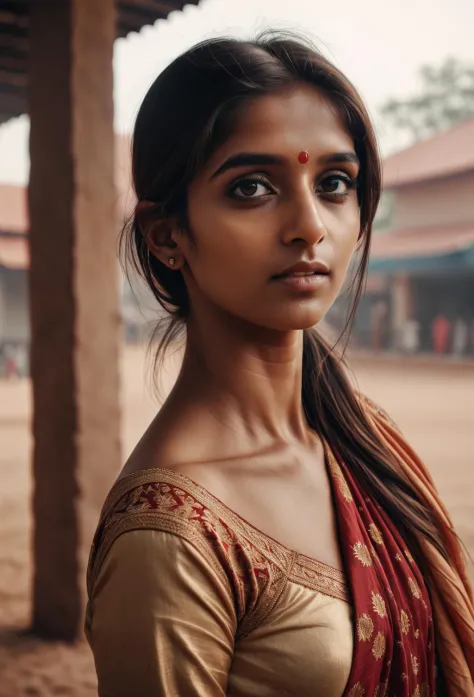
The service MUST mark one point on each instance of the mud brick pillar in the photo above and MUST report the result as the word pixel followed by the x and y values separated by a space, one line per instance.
pixel 73 296
pixel 402 303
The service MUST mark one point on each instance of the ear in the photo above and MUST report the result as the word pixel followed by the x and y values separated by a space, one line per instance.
pixel 158 231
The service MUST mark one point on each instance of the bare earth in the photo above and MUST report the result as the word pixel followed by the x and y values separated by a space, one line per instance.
pixel 433 403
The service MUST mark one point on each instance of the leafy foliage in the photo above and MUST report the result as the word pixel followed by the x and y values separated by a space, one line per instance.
pixel 445 98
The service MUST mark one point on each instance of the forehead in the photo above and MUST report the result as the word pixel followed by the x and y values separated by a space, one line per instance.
pixel 288 122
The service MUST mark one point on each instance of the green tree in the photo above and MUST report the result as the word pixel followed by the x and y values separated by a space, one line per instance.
pixel 444 99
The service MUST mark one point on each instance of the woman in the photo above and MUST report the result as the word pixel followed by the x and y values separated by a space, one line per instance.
pixel 272 533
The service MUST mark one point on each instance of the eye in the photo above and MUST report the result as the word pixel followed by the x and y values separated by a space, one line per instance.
pixel 337 185
pixel 250 188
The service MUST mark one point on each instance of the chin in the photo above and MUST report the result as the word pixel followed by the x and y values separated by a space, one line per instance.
pixel 305 315
pixel 308 323
pixel 294 319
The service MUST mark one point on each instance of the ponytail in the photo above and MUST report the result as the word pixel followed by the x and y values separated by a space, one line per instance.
pixel 334 411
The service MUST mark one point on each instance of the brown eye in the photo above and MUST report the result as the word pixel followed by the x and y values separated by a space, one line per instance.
pixel 334 185
pixel 250 188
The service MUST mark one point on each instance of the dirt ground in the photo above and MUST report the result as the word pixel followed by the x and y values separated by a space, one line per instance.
pixel 433 403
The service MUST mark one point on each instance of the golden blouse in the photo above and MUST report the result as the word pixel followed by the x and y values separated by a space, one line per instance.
pixel 186 599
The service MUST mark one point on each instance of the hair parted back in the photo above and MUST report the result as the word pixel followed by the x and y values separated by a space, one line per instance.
pixel 187 113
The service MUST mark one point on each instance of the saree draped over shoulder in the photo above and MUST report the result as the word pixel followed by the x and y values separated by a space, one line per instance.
pixel 187 599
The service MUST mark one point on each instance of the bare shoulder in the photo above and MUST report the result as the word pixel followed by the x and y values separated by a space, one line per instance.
pixel 168 443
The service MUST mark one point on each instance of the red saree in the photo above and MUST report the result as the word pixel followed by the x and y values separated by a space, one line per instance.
pixel 394 652
pixel 450 591
pixel 247 579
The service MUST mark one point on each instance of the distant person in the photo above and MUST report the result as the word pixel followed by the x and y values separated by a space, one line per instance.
pixel 11 363
pixel 272 533
pixel 441 333
pixel 460 337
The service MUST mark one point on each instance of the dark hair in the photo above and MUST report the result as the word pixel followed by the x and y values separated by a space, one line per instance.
pixel 187 113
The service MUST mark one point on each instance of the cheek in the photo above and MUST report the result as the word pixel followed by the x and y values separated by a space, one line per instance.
pixel 224 241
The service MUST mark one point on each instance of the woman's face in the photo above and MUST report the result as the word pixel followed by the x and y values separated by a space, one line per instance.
pixel 255 211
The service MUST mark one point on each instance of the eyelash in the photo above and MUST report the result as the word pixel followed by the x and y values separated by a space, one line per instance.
pixel 350 183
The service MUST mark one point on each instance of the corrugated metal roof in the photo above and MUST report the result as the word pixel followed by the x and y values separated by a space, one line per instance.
pixel 445 155
pixel 132 15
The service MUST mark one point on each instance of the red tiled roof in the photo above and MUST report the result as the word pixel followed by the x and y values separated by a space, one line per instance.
pixel 13 199
pixel 444 155
pixel 422 242
pixel 13 209
pixel 14 252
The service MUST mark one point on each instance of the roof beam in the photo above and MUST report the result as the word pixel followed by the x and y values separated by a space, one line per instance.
pixel 12 63
pixel 13 103
pixel 13 79
pixel 15 42
pixel 153 7
pixel 13 18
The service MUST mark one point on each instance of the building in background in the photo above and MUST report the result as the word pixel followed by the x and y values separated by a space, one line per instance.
pixel 14 261
pixel 420 291
pixel 139 309
pixel 420 286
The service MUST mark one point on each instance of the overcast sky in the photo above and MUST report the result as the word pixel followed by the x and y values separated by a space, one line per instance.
pixel 379 44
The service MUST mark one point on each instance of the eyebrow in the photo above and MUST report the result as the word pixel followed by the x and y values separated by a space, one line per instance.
pixel 246 159
pixel 250 159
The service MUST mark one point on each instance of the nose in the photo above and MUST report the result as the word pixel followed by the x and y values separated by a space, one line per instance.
pixel 304 223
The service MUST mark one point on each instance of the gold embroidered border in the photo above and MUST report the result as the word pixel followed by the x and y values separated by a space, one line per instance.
pixel 319 577
pixel 154 520
pixel 293 566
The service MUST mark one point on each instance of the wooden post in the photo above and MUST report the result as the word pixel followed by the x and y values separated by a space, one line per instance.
pixel 73 298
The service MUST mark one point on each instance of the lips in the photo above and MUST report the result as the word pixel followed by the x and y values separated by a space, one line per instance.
pixel 304 268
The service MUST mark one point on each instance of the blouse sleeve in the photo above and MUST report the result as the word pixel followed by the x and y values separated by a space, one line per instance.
pixel 162 620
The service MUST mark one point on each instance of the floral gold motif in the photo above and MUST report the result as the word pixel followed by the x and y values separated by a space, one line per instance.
pixel 414 588
pixel 382 689
pixel 378 649
pixel 375 534
pixel 357 691
pixel 417 634
pixel 336 472
pixel 362 553
pixel 378 603
pixel 409 557
pixel 415 664
pixel 417 692
pixel 404 622
pixel 398 557
pixel 365 627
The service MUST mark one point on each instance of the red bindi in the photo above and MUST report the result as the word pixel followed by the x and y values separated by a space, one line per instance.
pixel 303 157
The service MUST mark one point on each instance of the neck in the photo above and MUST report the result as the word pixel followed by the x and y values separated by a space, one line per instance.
pixel 247 377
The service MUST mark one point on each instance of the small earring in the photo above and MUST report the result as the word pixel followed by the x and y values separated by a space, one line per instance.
pixel 171 261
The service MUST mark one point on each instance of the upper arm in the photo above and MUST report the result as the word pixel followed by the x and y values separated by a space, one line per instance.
pixel 162 620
